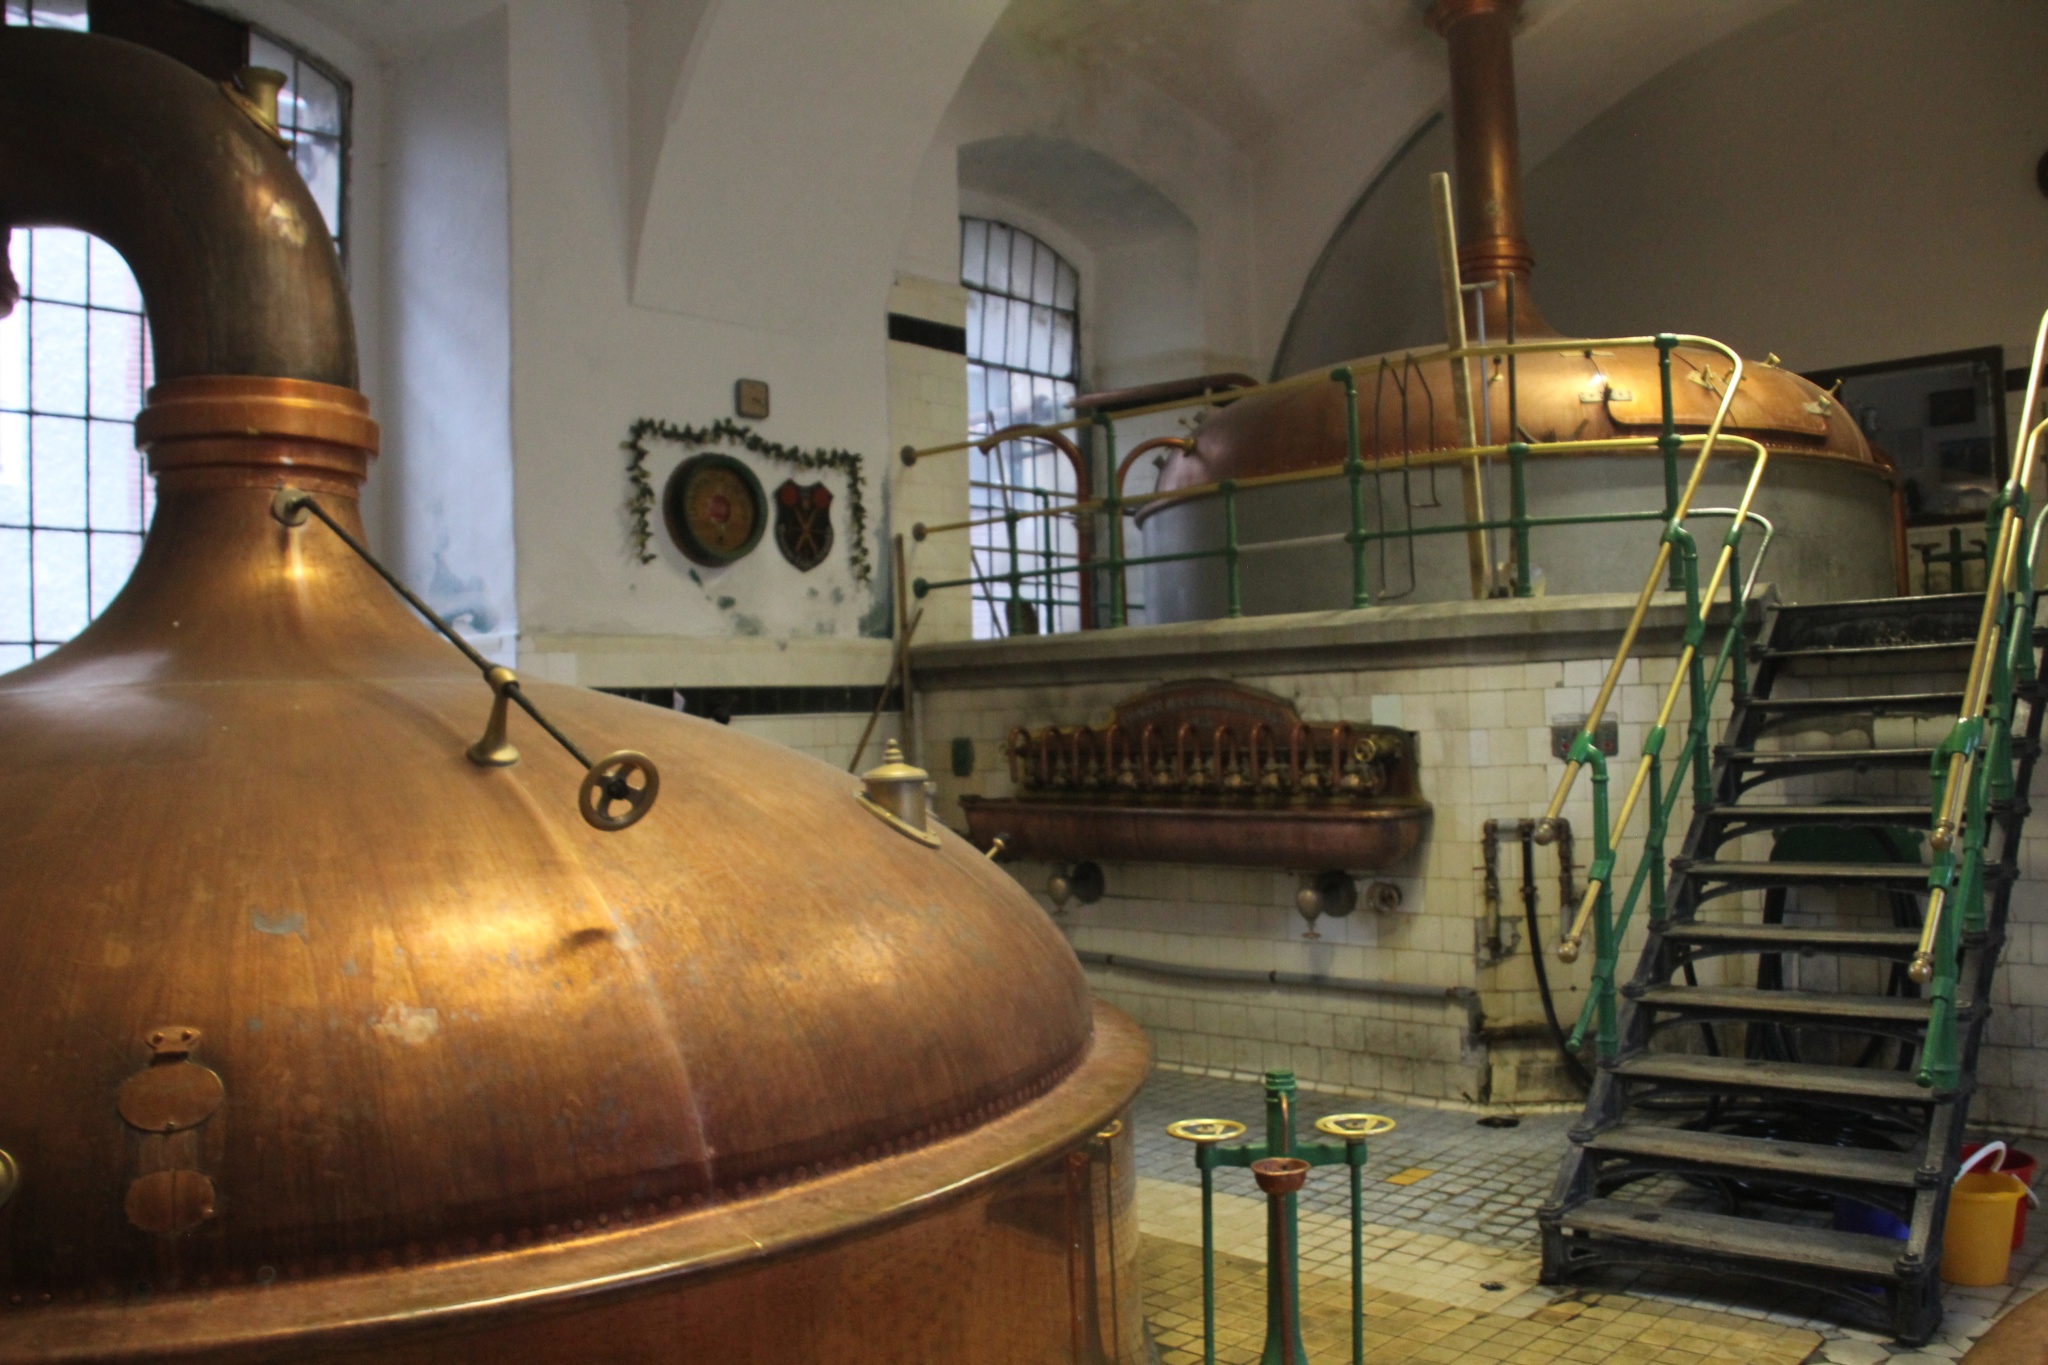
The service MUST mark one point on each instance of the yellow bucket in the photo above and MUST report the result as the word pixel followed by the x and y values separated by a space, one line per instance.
pixel 1977 1245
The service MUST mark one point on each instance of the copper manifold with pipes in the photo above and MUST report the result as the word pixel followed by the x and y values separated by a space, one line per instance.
pixel 1207 771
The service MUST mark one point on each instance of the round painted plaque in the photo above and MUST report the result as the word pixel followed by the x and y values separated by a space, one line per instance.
pixel 715 509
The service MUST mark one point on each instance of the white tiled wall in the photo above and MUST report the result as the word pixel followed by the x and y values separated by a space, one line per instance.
pixel 1484 741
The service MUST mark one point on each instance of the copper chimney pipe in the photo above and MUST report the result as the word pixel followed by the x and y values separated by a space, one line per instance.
pixel 236 267
pixel 1488 139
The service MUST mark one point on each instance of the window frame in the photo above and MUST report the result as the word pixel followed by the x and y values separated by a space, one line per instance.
pixel 96 504
pixel 1002 481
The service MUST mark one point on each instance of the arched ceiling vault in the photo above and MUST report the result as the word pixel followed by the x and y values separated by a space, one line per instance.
pixel 1316 95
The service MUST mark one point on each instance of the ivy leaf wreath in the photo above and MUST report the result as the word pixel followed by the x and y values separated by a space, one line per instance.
pixel 725 431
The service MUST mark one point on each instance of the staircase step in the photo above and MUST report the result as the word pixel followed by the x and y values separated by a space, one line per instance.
pixel 1738 1074
pixel 1910 649
pixel 1900 876
pixel 1822 1007
pixel 1764 1156
pixel 1917 756
pixel 1792 938
pixel 1914 816
pixel 1889 704
pixel 1718 1234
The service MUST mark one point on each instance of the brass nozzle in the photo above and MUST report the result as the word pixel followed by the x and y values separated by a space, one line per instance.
pixel 1944 833
pixel 1921 970
pixel 1546 830
pixel 1568 950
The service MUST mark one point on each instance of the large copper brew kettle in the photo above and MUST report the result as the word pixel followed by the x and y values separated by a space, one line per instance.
pixel 328 1039
pixel 1406 406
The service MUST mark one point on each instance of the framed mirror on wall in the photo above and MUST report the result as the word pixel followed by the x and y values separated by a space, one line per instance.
pixel 1941 419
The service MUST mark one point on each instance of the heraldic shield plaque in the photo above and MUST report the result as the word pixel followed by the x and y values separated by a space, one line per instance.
pixel 713 508
pixel 803 523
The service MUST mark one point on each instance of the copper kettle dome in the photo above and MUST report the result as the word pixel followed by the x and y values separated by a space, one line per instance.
pixel 327 1037
pixel 1405 407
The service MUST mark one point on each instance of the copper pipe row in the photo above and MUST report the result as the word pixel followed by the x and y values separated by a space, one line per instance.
pixel 1316 761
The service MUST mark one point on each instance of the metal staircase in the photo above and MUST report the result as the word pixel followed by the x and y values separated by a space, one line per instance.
pixel 1777 1080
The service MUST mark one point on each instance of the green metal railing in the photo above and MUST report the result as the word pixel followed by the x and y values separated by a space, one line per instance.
pixel 1110 567
pixel 1280 1164
pixel 1971 773
pixel 1027 538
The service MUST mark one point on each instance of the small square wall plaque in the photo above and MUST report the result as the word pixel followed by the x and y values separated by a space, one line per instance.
pixel 1564 731
pixel 750 398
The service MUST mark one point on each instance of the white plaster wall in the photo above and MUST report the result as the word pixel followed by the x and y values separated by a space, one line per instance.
pixel 1838 183
pixel 788 159
pixel 447 469
pixel 1834 183
pixel 1169 286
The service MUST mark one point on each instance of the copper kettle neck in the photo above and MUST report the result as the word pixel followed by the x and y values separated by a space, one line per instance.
pixel 240 431
pixel 1487 134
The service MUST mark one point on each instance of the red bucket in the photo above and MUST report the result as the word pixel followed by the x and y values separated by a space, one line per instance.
pixel 2021 1165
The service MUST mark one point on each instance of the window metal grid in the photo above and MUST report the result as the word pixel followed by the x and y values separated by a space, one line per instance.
pixel 75 367
pixel 312 114
pixel 1023 360
pixel 74 495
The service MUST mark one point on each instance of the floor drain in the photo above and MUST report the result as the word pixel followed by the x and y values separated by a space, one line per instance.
pixel 1494 1286
pixel 1500 1121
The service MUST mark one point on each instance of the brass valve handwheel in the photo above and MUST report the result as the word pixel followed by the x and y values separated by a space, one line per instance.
pixel 1205 1130
pixel 1354 1127
pixel 609 784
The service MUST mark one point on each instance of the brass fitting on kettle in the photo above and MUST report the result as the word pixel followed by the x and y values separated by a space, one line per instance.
pixel 895 794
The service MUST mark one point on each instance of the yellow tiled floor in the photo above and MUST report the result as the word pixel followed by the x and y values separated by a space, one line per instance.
pixel 1429 1299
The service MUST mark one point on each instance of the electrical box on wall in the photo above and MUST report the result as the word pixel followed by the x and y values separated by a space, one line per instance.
pixel 750 398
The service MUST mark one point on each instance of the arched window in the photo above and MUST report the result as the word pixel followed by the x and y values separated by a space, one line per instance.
pixel 75 497
pixel 1023 361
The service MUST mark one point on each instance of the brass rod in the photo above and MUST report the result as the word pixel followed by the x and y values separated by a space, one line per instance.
pixel 1678 682
pixel 291 500
pixel 895 671
pixel 911 456
pixel 1445 223
pixel 1998 569
pixel 1998 581
pixel 1334 471
pixel 1568 946
pixel 1921 968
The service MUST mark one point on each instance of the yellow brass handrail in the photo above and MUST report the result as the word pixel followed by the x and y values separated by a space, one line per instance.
pixel 1546 827
pixel 1998 573
pixel 1568 947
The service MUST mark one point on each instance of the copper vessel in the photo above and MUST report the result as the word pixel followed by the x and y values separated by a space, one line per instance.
pixel 1406 407
pixel 1208 771
pixel 330 1040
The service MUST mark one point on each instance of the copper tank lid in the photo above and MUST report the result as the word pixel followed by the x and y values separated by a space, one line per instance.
pixel 307 1003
